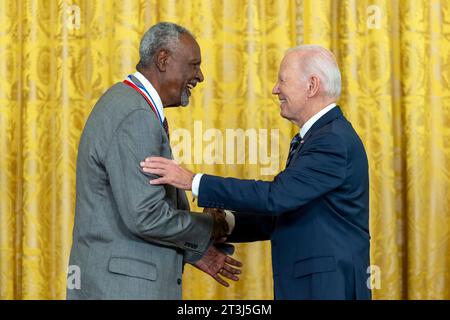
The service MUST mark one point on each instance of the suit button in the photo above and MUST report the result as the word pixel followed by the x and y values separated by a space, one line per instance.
pixel 179 281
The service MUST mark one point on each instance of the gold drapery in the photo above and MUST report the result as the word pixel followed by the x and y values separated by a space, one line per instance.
pixel 58 57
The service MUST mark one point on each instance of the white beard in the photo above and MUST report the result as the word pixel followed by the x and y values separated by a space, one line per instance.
pixel 184 98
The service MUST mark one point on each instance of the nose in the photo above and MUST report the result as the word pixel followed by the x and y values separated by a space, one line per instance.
pixel 276 89
pixel 199 76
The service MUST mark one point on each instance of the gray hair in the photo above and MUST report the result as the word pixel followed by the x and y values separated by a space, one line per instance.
pixel 164 35
pixel 321 62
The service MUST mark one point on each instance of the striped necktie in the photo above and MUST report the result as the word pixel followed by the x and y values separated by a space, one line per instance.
pixel 166 127
pixel 293 148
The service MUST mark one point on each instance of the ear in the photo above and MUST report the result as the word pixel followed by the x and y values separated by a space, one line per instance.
pixel 313 85
pixel 161 58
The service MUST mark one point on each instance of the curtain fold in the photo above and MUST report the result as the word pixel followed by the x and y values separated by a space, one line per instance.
pixel 57 57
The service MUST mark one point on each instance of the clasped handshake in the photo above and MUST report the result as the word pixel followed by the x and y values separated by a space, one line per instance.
pixel 217 261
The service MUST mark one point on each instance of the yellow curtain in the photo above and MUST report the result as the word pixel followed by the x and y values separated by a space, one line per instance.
pixel 58 57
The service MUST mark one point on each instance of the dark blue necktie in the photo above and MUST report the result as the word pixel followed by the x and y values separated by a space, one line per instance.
pixel 293 148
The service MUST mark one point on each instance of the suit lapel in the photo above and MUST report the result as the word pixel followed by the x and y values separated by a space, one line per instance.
pixel 182 201
pixel 328 117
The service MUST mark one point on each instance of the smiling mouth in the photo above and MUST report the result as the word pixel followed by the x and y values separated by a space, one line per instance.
pixel 189 87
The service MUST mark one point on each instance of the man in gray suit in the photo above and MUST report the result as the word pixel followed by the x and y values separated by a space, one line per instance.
pixel 131 239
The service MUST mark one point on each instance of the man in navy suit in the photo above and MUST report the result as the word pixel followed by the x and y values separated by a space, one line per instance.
pixel 316 211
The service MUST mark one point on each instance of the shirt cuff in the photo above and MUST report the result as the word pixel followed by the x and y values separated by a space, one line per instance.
pixel 229 217
pixel 196 184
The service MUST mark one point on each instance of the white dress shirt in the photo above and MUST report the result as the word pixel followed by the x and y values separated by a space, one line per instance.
pixel 308 124
pixel 153 93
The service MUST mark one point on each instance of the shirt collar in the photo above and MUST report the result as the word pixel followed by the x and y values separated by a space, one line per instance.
pixel 308 124
pixel 153 93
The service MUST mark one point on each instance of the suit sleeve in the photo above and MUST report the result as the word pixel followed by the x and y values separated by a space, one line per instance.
pixel 321 167
pixel 251 227
pixel 142 206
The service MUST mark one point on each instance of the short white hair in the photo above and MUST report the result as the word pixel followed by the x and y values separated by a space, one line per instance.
pixel 321 62
pixel 164 35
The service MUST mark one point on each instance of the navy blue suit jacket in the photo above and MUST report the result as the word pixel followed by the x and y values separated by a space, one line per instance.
pixel 315 212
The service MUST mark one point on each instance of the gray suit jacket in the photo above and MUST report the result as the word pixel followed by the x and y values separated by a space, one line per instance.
pixel 130 238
